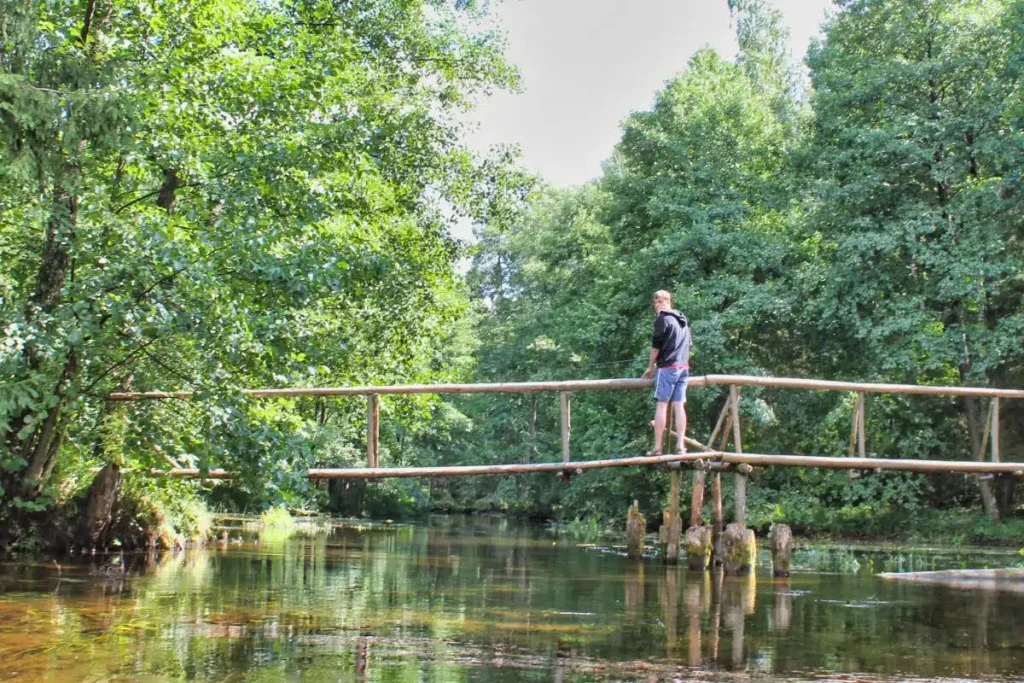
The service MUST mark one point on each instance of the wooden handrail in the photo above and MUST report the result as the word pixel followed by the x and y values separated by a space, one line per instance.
pixel 866 387
pixel 597 385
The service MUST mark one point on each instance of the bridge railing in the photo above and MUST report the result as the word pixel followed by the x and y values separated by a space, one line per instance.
pixel 728 424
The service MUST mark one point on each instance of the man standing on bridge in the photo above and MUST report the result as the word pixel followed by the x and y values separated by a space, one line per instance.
pixel 670 366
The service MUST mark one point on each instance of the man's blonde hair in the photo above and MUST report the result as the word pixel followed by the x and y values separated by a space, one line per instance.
pixel 661 294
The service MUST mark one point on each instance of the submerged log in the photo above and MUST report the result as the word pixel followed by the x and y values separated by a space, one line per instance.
pixel 699 547
pixel 740 546
pixel 636 529
pixel 781 541
pixel 100 502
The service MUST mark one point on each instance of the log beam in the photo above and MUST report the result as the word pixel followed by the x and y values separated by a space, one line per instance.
pixel 716 459
pixel 599 385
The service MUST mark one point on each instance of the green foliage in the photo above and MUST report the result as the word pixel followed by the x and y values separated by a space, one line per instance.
pixel 214 194
pixel 217 194
pixel 163 513
pixel 870 231
pixel 276 519
pixel 585 529
pixel 274 524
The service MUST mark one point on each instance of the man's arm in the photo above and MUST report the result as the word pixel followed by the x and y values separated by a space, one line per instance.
pixel 657 339
pixel 649 372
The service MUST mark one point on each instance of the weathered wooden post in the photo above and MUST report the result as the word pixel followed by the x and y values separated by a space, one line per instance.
pixel 781 541
pixel 740 546
pixel 857 438
pixel 995 429
pixel 672 524
pixel 742 470
pixel 740 543
pixel 697 499
pixel 698 547
pixel 373 430
pixel 564 401
pixel 718 526
pixel 636 529
pixel 531 446
pixel 698 538
pixel 734 399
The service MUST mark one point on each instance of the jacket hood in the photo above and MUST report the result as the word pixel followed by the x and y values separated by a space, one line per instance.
pixel 675 314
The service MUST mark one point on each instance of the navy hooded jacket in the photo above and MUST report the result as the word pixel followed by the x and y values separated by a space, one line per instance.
pixel 672 339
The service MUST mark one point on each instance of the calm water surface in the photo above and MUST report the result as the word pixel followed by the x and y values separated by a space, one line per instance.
pixel 487 600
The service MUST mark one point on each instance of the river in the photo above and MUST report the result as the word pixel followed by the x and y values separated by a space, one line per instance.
pixel 485 599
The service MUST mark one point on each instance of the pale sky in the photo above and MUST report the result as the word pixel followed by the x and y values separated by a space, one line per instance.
pixel 586 64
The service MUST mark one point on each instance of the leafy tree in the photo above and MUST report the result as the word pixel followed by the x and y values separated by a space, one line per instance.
pixel 219 193
pixel 917 143
pixel 694 200
pixel 871 232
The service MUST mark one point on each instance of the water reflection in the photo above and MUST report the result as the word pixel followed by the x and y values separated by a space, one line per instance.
pixel 469 600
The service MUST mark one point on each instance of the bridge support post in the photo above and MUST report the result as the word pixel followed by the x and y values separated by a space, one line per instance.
pixel 565 405
pixel 857 438
pixel 740 543
pixel 636 529
pixel 781 541
pixel 373 430
pixel 697 500
pixel 698 538
pixel 698 547
pixel 718 526
pixel 995 429
pixel 740 549
pixel 728 421
pixel 742 470
pixel 672 524
pixel 734 399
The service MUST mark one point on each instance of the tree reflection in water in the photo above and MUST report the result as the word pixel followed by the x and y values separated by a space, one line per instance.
pixel 461 600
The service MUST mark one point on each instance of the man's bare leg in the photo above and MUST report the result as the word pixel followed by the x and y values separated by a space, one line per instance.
pixel 660 415
pixel 680 413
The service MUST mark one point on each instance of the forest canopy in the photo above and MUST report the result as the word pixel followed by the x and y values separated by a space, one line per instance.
pixel 222 194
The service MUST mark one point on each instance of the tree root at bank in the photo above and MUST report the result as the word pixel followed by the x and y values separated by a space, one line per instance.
pixel 112 514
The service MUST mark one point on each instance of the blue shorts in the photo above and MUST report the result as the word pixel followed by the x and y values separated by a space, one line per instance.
pixel 670 385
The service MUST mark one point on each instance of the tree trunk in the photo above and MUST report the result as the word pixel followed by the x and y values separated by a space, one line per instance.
pixel 39 447
pixel 100 502
pixel 166 199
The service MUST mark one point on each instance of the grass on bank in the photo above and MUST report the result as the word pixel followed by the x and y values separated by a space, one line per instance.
pixel 277 524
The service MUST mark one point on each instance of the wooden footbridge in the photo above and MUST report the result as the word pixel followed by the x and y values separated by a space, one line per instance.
pixel 704 458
